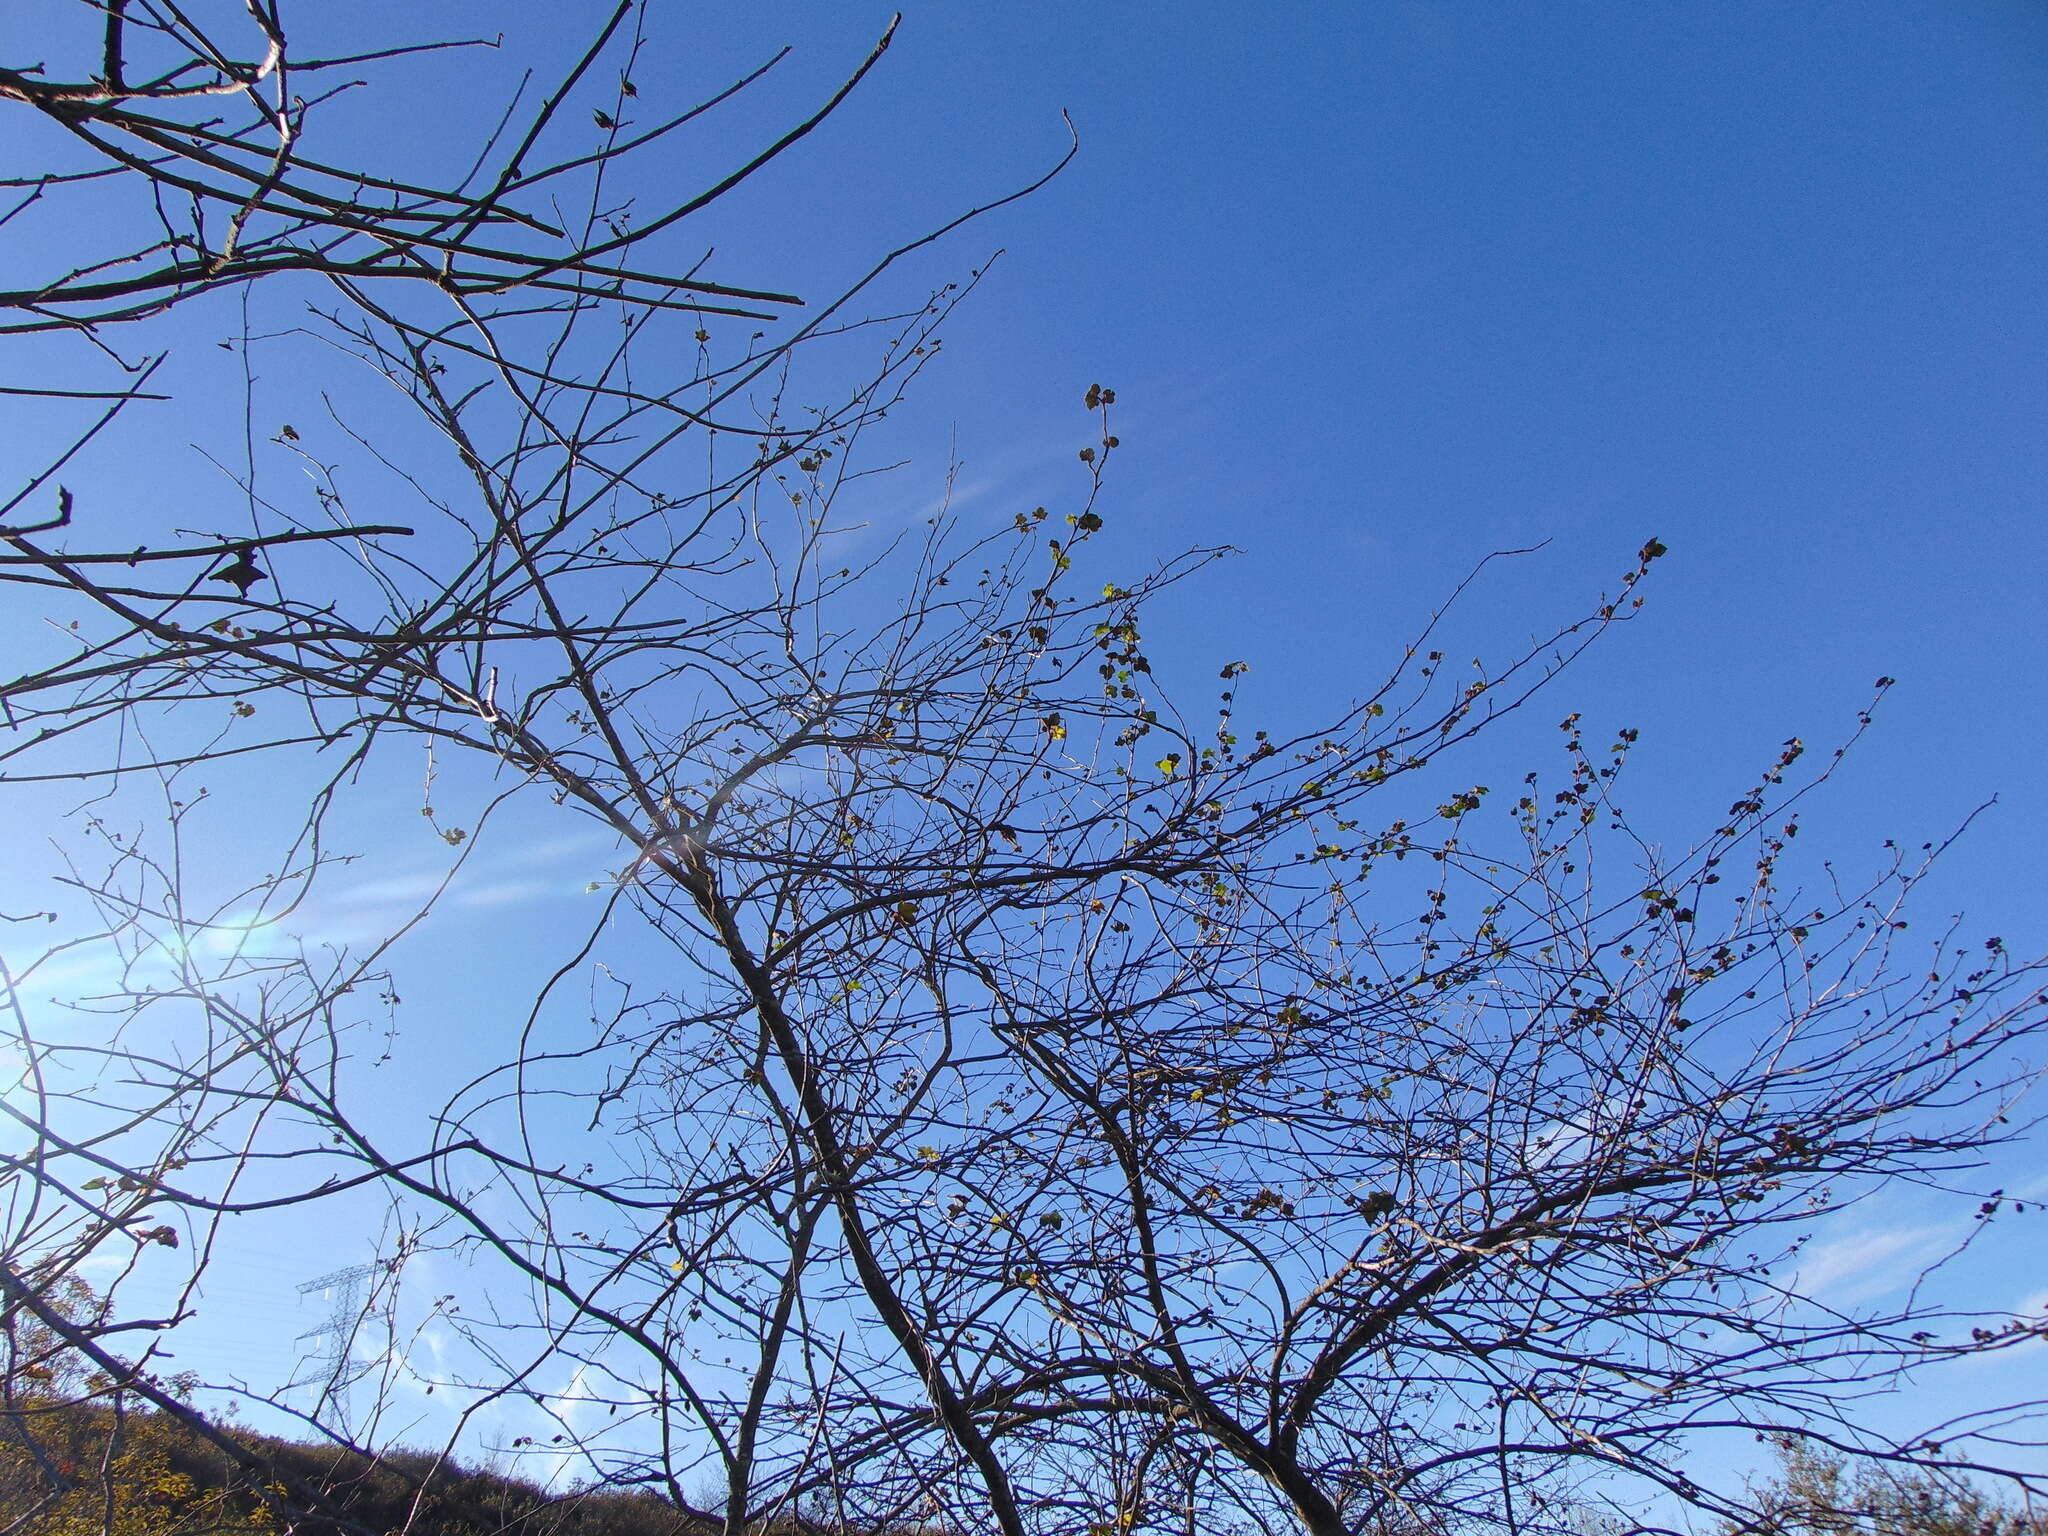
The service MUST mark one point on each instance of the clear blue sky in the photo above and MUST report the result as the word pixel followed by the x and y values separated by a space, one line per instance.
pixel 1386 286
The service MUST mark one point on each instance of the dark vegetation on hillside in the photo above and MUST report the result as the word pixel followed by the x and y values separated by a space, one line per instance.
pixel 132 1471
pixel 129 1471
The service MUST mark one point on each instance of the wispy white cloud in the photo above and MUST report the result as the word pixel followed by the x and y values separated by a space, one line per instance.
pixel 399 889
pixel 368 910
pixel 577 845
pixel 503 893
pixel 1868 1263
pixel 2035 1188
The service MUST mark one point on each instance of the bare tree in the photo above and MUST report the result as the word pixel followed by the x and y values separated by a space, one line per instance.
pixel 993 1095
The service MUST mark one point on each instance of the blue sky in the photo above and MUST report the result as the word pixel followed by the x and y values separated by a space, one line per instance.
pixel 1385 287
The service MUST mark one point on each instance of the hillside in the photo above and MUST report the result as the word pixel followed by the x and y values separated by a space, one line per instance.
pixel 94 1468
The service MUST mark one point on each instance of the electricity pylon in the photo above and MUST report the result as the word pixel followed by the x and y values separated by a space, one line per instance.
pixel 344 1318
